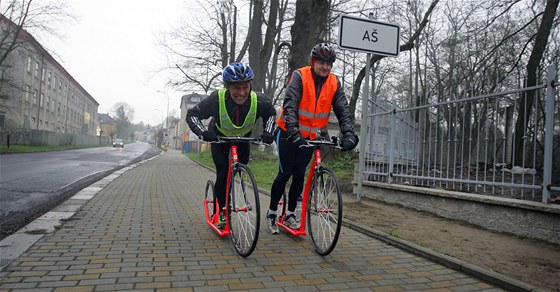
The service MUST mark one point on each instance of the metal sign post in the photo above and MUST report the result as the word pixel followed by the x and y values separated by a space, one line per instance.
pixel 372 37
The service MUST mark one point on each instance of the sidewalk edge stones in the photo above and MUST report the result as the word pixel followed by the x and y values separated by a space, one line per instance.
pixel 491 276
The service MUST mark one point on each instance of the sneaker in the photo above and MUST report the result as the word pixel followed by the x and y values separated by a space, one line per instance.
pixel 221 221
pixel 271 223
pixel 291 221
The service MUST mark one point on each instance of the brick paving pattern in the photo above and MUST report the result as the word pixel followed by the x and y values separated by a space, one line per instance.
pixel 145 231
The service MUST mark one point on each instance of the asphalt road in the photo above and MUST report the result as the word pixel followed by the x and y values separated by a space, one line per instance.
pixel 34 183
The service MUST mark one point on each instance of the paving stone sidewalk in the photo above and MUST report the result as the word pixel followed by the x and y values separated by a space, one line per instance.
pixel 145 231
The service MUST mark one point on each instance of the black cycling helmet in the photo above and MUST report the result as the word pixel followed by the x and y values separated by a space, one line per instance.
pixel 237 72
pixel 323 52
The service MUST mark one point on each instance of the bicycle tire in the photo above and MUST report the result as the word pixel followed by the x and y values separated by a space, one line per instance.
pixel 244 214
pixel 324 214
pixel 210 198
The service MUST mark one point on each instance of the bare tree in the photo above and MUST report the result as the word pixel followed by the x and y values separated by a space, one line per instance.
pixel 260 52
pixel 407 46
pixel 19 17
pixel 212 39
pixel 201 46
pixel 527 101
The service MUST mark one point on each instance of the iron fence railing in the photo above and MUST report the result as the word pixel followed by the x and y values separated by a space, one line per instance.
pixel 467 145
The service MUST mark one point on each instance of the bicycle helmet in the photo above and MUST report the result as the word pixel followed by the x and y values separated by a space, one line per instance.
pixel 323 52
pixel 237 72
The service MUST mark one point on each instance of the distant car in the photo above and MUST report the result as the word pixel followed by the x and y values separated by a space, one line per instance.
pixel 118 143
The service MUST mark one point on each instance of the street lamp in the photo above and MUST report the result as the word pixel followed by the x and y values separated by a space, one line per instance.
pixel 167 114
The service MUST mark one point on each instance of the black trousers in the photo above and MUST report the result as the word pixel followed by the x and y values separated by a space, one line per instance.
pixel 292 164
pixel 220 155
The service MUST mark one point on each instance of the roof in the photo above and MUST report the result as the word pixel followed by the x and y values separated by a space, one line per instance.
pixel 105 119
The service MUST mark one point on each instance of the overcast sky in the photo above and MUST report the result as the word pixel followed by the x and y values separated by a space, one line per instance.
pixel 111 51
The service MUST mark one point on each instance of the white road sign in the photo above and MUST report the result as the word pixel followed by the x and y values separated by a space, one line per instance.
pixel 366 35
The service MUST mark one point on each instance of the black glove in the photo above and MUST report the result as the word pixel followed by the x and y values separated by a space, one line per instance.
pixel 266 137
pixel 297 139
pixel 349 141
pixel 209 136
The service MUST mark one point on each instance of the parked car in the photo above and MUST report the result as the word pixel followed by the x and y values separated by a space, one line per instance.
pixel 118 143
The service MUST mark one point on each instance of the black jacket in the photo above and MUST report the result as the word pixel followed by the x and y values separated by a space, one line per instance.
pixel 209 108
pixel 294 91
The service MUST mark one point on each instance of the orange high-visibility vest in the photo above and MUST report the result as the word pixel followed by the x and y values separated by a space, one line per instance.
pixel 313 112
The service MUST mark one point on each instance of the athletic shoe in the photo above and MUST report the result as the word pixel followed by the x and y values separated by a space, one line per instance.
pixel 221 221
pixel 291 221
pixel 271 223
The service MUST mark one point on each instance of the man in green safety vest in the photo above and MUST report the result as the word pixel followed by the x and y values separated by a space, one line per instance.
pixel 233 111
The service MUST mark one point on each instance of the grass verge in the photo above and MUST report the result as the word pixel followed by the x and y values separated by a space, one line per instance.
pixel 264 166
pixel 26 149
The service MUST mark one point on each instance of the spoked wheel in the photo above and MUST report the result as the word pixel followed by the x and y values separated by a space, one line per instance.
pixel 210 200
pixel 325 211
pixel 244 215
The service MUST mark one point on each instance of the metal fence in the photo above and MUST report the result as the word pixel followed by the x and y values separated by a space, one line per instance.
pixel 467 145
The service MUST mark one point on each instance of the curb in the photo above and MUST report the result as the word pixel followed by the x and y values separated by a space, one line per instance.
pixel 485 274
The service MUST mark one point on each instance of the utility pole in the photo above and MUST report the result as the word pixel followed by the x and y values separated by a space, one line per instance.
pixel 166 117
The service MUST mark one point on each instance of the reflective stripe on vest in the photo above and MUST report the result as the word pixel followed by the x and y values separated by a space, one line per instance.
pixel 226 126
pixel 313 111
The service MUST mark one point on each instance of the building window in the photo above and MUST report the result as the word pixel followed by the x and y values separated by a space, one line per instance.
pixel 49 77
pixel 48 102
pixel 34 96
pixel 43 74
pixel 27 91
pixel 29 64
pixel 37 69
pixel 42 99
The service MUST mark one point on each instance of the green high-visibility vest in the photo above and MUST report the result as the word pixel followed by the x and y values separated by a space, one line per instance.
pixel 227 127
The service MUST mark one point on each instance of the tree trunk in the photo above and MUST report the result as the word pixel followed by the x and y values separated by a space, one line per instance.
pixel 255 43
pixel 259 52
pixel 310 28
pixel 527 101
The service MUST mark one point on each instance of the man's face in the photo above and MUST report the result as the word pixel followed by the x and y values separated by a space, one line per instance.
pixel 240 91
pixel 322 68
